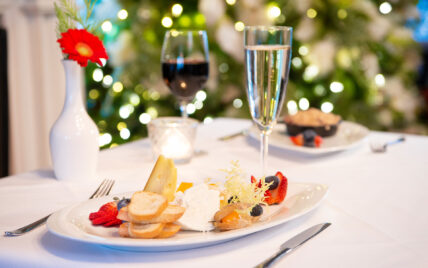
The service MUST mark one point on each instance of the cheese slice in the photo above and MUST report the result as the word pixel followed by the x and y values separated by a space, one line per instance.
pixel 163 179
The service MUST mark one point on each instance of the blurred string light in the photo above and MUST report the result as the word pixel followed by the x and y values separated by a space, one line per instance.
pixel 310 72
pixel 297 62
pixel 311 13
pixel 122 14
pixel 144 118
pixel 385 8
pixel 155 95
pixel 199 19
pixel 239 26
pixel 117 87
pixel 327 107
pixel 231 2
pixel 208 120
pixel 319 90
pixel 303 50
pixel 273 11
pixel 114 145
pixel 237 103
pixel 125 111
pixel 166 22
pixel 103 62
pixel 125 133
pixel 176 10
pixel 107 80
pixel 94 94
pixel 185 21
pixel 342 14
pixel 304 104
pixel 292 107
pixel 199 105
pixel 380 80
pixel 336 87
pixel 97 75
pixel 106 26
pixel 121 125
pixel 134 99
pixel 201 95
pixel 223 68
pixel 152 112
pixel 190 108
pixel 104 139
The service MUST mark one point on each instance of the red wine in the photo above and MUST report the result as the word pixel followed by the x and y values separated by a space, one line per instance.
pixel 185 78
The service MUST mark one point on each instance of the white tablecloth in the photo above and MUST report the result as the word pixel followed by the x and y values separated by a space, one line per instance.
pixel 377 204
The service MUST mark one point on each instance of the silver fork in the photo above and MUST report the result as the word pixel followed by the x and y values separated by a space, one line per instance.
pixel 102 190
pixel 380 147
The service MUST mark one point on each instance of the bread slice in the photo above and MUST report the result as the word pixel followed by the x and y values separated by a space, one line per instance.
pixel 145 230
pixel 169 230
pixel 123 229
pixel 170 214
pixel 146 205
pixel 163 179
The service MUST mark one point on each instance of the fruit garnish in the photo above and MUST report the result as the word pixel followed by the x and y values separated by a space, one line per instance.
pixel 273 180
pixel 237 187
pixel 106 215
pixel 277 195
pixel 257 210
pixel 307 138
pixel 184 186
pixel 123 203
pixel 233 216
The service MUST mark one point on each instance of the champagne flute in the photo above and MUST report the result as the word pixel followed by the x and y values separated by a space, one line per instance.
pixel 267 64
pixel 185 64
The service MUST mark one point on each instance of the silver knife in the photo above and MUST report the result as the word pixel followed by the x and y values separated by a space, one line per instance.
pixel 294 243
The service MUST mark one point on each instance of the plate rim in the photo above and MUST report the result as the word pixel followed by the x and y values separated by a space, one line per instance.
pixel 253 134
pixel 165 244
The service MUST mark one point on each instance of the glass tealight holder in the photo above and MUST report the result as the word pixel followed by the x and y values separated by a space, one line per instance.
pixel 173 137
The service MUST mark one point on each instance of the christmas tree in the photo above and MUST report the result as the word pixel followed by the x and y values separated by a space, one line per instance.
pixel 356 58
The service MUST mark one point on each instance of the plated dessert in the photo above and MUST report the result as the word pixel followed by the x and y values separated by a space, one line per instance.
pixel 307 128
pixel 161 210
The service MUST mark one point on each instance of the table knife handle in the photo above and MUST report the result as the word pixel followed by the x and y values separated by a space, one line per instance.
pixel 275 257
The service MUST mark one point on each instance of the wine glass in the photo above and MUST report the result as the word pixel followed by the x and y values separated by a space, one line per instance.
pixel 267 64
pixel 185 64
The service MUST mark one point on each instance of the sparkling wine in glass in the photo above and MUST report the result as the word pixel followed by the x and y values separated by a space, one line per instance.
pixel 267 64
pixel 185 63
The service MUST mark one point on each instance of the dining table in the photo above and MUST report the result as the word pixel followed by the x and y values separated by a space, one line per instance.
pixel 376 204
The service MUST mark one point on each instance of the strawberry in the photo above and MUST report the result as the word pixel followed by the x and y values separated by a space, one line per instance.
pixel 318 141
pixel 297 140
pixel 277 195
pixel 106 215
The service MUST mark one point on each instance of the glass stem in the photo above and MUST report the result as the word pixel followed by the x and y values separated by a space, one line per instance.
pixel 183 109
pixel 264 146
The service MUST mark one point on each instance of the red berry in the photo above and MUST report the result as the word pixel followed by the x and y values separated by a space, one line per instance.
pixel 318 141
pixel 297 140
pixel 112 223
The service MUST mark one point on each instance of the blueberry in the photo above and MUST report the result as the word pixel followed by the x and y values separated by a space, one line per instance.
pixel 274 180
pixel 123 203
pixel 309 136
pixel 257 210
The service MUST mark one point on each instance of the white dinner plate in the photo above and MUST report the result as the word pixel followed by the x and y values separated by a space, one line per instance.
pixel 348 135
pixel 73 223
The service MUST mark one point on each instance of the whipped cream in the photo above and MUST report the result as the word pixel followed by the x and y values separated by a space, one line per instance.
pixel 201 204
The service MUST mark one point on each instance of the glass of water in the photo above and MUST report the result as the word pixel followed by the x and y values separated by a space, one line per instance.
pixel 267 65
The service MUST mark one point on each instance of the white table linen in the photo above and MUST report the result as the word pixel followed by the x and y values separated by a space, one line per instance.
pixel 377 205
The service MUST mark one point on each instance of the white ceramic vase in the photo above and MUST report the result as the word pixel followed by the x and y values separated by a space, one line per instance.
pixel 74 136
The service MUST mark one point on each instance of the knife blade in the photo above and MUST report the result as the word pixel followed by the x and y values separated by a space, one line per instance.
pixel 294 243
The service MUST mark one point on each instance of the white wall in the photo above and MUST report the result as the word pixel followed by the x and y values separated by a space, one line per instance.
pixel 36 80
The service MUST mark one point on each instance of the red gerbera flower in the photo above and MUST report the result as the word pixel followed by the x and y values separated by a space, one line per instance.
pixel 81 46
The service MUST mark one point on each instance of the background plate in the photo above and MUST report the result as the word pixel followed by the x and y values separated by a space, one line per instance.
pixel 348 135
pixel 73 223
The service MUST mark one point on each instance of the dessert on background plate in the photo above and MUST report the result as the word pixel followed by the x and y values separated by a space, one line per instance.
pixel 323 124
